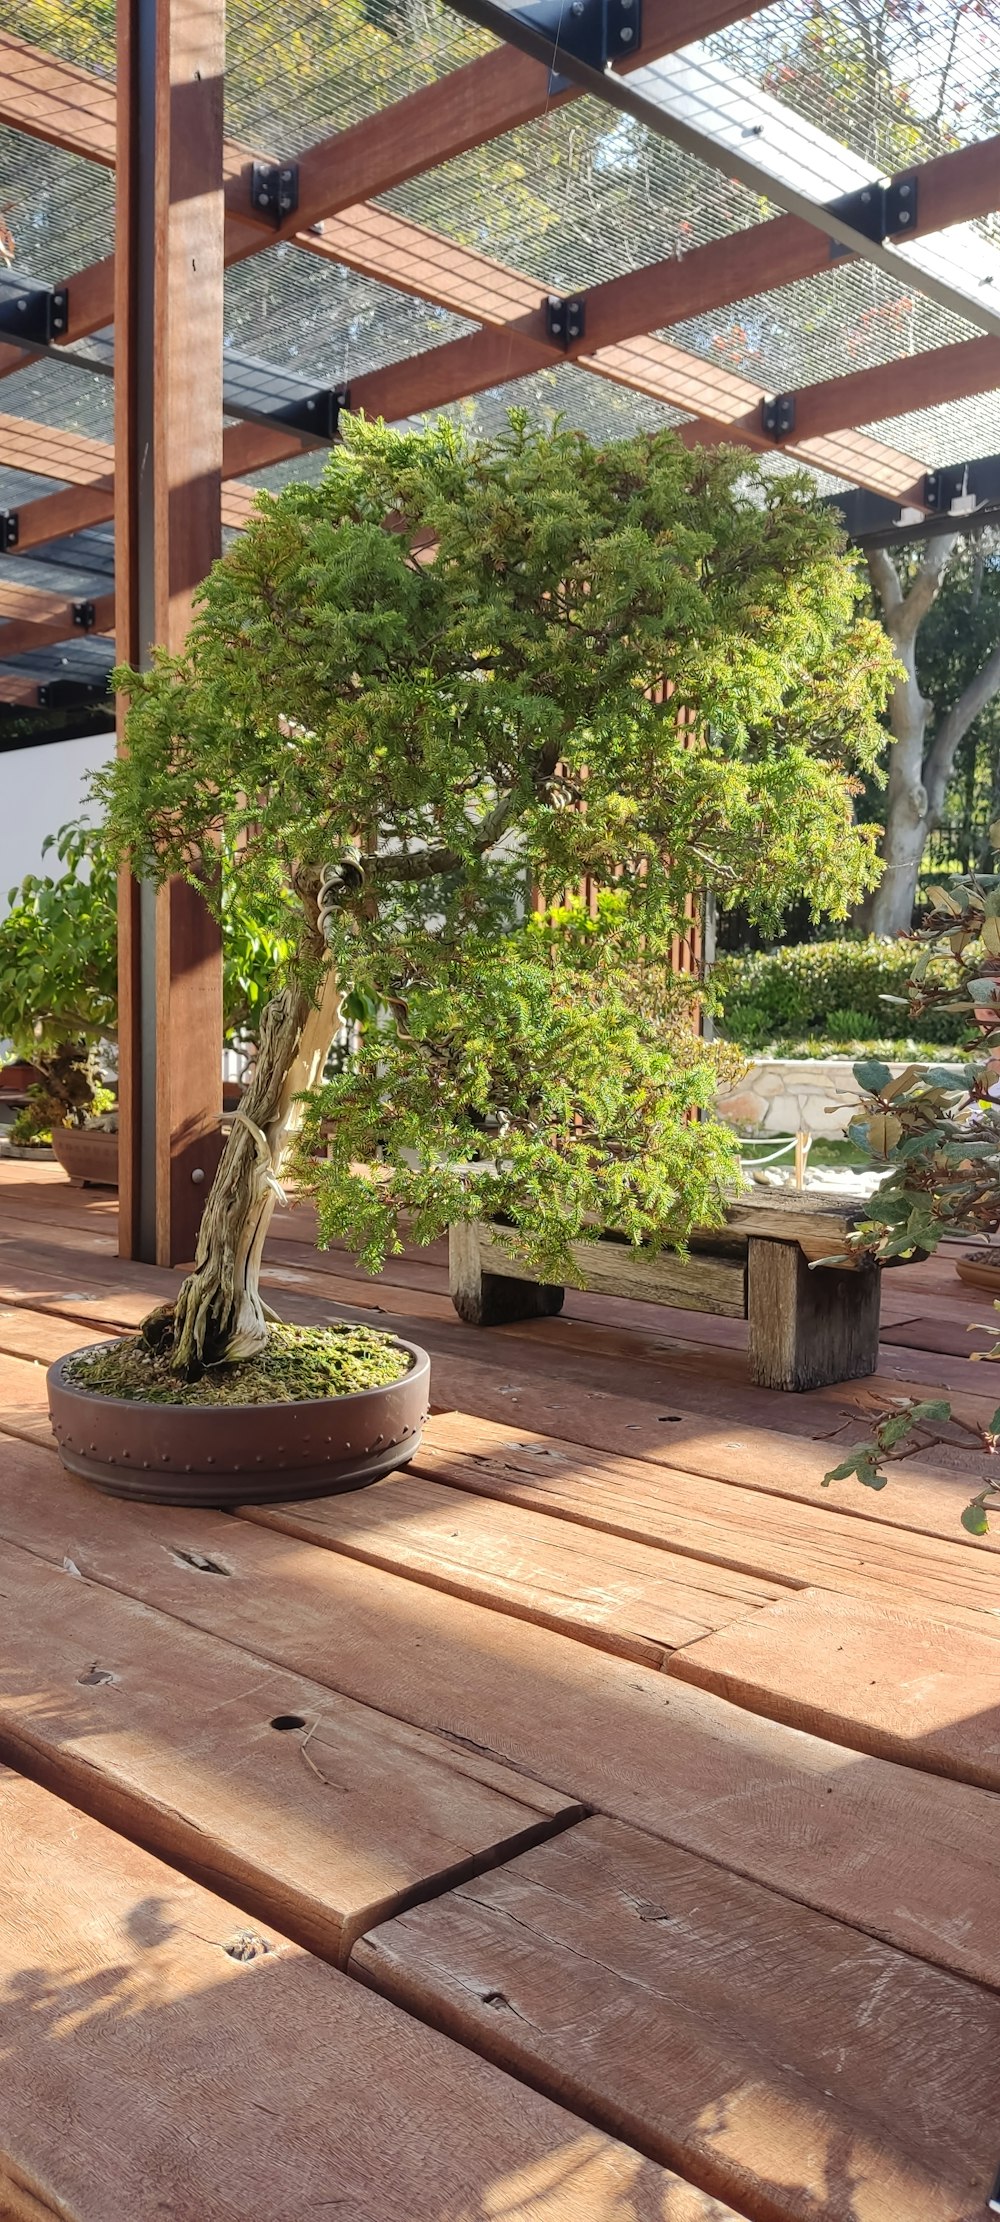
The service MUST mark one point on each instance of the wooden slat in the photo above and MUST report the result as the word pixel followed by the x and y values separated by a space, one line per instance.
pixel 883 1679
pixel 638 1602
pixel 50 624
pixel 776 2058
pixel 799 1544
pixel 166 1734
pixel 903 1855
pixel 56 101
pixel 699 1284
pixel 151 2071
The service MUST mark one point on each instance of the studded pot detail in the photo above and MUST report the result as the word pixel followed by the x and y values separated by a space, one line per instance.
pixel 231 1454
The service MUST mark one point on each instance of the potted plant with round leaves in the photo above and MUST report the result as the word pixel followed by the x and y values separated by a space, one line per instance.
pixel 58 985
pixel 59 994
pixel 425 699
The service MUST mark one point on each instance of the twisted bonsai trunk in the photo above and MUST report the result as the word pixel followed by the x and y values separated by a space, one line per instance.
pixel 219 1316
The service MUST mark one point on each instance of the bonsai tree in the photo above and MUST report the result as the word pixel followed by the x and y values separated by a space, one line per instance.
pixel 491 712
pixel 59 973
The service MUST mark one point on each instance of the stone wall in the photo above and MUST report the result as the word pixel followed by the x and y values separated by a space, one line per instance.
pixel 795 1095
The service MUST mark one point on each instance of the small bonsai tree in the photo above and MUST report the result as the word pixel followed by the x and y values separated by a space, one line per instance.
pixel 492 712
pixel 59 973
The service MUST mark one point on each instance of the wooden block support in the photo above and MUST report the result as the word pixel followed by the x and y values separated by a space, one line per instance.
pixel 485 1299
pixel 808 1325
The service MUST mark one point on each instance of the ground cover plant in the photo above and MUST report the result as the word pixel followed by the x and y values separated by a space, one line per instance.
pixel 435 702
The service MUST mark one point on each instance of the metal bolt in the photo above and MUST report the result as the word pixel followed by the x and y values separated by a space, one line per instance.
pixel 198 1173
pixel 577 8
pixel 626 35
pixel 904 215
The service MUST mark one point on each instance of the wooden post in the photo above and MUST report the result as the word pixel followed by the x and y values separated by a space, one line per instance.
pixel 168 490
pixel 809 1326
pixel 492 1299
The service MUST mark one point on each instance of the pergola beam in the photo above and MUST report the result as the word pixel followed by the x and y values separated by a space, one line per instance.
pixel 37 620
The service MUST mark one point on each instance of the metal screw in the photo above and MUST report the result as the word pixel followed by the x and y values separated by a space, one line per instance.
pixel 577 8
pixel 197 1174
pixel 904 215
pixel 626 36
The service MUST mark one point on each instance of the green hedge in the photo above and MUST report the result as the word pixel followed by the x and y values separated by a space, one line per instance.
pixel 830 989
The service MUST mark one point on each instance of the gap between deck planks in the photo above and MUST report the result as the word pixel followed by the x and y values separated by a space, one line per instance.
pixel 168 1734
pixel 147 2071
pixel 715 1522
pixel 879 1678
pixel 775 2057
pixel 901 1854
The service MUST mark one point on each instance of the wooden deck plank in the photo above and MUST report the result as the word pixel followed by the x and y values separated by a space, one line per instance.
pixel 801 1545
pixel 902 1855
pixel 881 1679
pixel 778 2059
pixel 149 2072
pixel 168 1734
pixel 626 1597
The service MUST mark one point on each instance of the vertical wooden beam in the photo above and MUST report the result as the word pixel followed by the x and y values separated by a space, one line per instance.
pixel 168 481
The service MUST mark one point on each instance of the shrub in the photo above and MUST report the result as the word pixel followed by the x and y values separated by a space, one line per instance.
pixel 834 990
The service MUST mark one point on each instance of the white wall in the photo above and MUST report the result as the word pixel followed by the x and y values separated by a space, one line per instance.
pixel 40 789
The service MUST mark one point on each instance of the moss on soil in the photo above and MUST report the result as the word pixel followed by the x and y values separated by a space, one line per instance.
pixel 299 1363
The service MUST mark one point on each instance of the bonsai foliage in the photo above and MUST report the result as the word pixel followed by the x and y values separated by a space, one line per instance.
pixel 436 700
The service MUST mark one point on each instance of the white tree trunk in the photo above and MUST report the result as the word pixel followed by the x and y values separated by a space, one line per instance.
pixel 907 824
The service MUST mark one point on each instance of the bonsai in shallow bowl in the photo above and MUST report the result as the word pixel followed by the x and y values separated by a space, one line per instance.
pixel 490 715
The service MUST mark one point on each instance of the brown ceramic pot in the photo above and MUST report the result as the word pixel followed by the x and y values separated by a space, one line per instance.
pixel 231 1454
pixel 89 1154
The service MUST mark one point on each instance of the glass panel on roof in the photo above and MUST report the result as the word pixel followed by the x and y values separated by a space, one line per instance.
pixel 583 401
pixel 326 322
pixel 580 195
pixel 954 433
pixel 299 73
pixel 897 80
pixel 852 317
pixel 50 392
pixel 57 212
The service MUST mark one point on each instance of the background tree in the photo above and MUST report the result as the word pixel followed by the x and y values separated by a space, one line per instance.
pixel 409 746
pixel 959 654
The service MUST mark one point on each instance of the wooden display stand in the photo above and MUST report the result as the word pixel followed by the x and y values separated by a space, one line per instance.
pixel 811 1323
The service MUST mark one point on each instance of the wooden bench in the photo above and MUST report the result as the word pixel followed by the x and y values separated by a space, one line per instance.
pixel 811 1323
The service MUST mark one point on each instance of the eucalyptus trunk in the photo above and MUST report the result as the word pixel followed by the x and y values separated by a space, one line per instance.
pixel 219 1316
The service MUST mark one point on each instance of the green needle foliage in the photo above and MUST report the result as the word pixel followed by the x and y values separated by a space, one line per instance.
pixel 437 700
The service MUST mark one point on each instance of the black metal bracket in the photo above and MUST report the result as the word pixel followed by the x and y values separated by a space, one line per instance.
pixel 597 32
pixel 777 416
pixel 9 529
pixel 85 616
pixel 317 413
pixel 565 321
pixel 877 211
pixel 36 314
pixel 71 694
pixel 274 189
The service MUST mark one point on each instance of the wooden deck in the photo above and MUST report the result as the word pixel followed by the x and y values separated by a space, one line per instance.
pixel 593 1823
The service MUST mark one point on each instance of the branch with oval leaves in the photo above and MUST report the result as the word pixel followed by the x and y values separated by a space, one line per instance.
pixel 909 1427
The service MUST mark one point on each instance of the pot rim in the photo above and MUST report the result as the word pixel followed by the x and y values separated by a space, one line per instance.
pixel 419 1364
